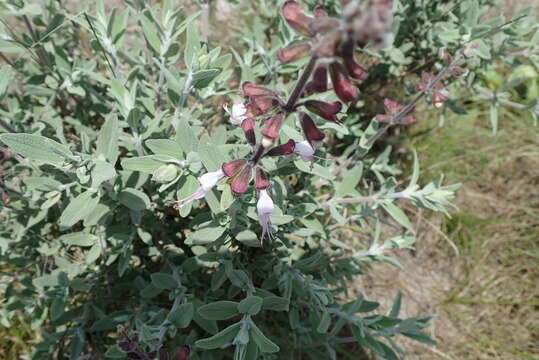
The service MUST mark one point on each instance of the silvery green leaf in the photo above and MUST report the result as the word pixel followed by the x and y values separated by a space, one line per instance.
pixel 107 139
pixel 79 239
pixel 38 148
pixel 182 316
pixel 165 147
pixel 93 254
pixel 219 339
pixel 324 323
pixel 205 235
pixel 219 310
pixel 146 164
pixel 264 344
pixel 248 238
pixel 101 172
pixel 350 178
pixel 250 305
pixel 164 281
pixel 78 208
pixel 134 199
pixel 397 214
pixel 275 303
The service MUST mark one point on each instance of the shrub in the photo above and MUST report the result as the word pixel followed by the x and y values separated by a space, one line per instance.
pixel 120 235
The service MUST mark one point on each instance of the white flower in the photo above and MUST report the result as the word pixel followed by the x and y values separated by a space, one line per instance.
pixel 207 182
pixel 265 208
pixel 305 150
pixel 237 113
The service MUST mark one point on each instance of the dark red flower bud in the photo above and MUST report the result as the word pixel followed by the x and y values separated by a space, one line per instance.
pixel 354 70
pixel 248 126
pixel 313 135
pixel 182 354
pixel 240 182
pixel 283 149
pixel 344 89
pixel 293 52
pixel 252 90
pixel 272 126
pixel 232 167
pixel 319 83
pixel 325 110
pixel 261 180
pixel 296 18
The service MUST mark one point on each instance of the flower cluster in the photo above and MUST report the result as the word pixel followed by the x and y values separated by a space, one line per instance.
pixel 330 44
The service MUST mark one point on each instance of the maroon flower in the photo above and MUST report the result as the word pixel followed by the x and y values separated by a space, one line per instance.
pixel 261 180
pixel 283 149
pixel 252 90
pixel 296 18
pixel 293 52
pixel 344 89
pixel 325 110
pixel 319 82
pixel 262 99
pixel 313 135
pixel 248 126
pixel 272 127
pixel 232 167
pixel 354 70
pixel 240 181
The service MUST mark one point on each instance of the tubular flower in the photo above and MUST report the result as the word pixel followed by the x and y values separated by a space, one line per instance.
pixel 313 135
pixel 240 181
pixel 344 89
pixel 305 150
pixel 261 98
pixel 319 82
pixel 392 108
pixel 325 110
pixel 237 113
pixel 272 127
pixel 264 208
pixel 283 149
pixel 207 182
pixel 248 126
pixel 231 168
pixel 293 52
pixel 296 18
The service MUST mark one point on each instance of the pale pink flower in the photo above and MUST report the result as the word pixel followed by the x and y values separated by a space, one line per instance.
pixel 207 182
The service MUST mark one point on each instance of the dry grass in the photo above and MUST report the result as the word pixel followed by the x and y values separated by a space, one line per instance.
pixel 485 297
